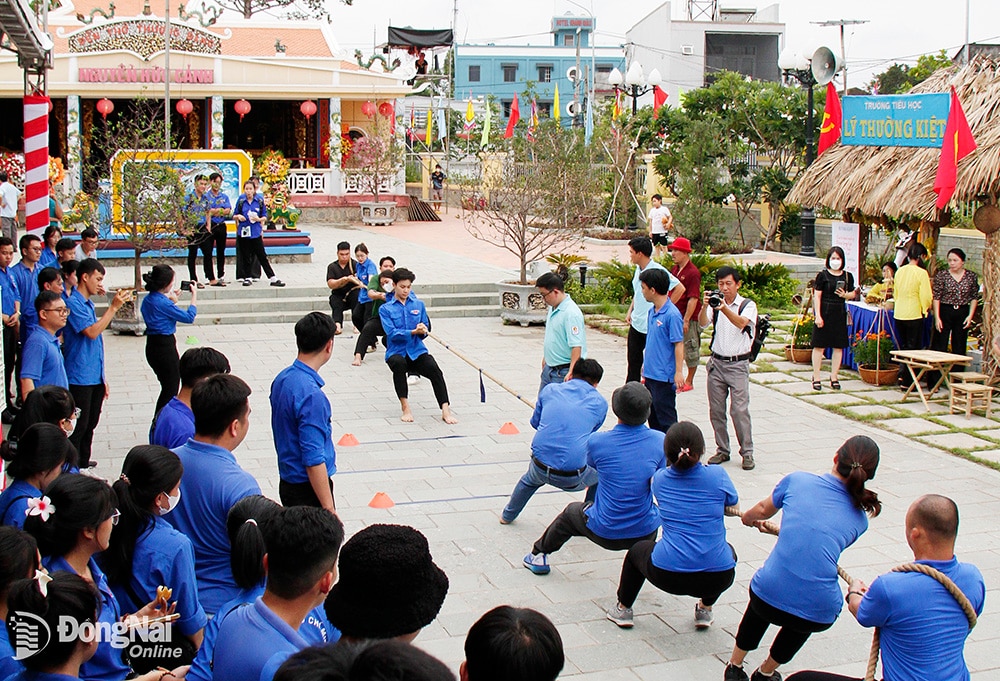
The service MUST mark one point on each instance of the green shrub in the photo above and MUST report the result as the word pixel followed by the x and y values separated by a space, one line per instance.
pixel 770 285
pixel 616 276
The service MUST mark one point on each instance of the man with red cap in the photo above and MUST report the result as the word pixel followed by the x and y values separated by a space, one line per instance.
pixel 689 305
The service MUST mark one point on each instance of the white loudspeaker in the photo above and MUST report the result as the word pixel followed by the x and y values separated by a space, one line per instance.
pixel 571 74
pixel 824 64
pixel 571 109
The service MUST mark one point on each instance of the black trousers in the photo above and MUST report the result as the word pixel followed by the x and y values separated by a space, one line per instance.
pixel 793 634
pixel 161 355
pixel 425 366
pixel 572 522
pixel 638 567
pixel 636 344
pixel 219 241
pixel 369 336
pixel 89 400
pixel 243 269
pixel 361 313
pixel 821 676
pixel 663 412
pixel 911 337
pixel 347 301
pixel 254 248
pixel 205 246
pixel 300 494
pixel 9 360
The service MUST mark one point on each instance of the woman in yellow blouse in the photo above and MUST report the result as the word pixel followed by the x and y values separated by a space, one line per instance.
pixel 912 292
pixel 882 291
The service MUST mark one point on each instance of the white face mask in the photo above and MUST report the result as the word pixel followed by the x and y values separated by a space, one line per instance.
pixel 171 503
pixel 387 286
pixel 836 263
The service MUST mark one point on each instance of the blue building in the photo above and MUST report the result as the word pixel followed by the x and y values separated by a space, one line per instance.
pixel 503 70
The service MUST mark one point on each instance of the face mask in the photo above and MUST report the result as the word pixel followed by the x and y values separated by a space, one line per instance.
pixel 171 503
pixel 835 263
pixel 387 286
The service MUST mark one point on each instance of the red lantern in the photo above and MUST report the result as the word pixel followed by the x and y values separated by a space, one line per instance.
pixel 104 107
pixel 385 108
pixel 368 109
pixel 242 107
pixel 308 108
pixel 184 107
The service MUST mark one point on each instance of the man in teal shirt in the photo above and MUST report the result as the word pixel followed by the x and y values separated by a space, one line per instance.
pixel 565 336
pixel 640 250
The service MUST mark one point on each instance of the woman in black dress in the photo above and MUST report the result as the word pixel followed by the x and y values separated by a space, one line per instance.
pixel 833 287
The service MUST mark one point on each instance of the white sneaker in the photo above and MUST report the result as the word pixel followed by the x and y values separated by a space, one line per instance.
pixel 412 379
pixel 620 616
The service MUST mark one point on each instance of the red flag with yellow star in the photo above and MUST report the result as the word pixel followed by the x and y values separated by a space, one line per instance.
pixel 829 129
pixel 956 145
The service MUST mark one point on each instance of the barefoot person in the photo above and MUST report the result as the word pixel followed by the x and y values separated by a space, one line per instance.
pixel 406 324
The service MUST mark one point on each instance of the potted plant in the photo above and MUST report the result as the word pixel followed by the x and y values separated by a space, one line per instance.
pixel 872 355
pixel 799 350
pixel 376 159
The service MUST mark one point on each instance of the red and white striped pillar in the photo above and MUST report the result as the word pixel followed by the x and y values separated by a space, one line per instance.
pixel 36 163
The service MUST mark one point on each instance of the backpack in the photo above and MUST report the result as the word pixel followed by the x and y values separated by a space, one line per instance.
pixel 759 333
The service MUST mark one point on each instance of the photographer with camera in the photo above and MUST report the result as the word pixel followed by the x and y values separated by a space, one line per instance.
pixel 734 319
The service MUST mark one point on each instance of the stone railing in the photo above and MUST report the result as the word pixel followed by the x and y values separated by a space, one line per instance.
pixel 310 181
pixel 352 183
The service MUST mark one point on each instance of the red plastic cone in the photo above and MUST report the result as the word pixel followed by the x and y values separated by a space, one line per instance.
pixel 381 500
pixel 348 440
pixel 509 429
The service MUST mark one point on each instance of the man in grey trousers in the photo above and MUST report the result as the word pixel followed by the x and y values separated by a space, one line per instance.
pixel 734 319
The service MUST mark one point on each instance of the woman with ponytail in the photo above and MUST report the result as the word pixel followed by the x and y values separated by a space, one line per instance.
pixel 797 589
pixel 72 523
pixel 145 551
pixel 18 560
pixel 161 314
pixel 34 460
pixel 246 524
pixel 692 557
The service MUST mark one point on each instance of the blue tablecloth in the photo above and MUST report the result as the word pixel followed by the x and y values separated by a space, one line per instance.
pixel 866 319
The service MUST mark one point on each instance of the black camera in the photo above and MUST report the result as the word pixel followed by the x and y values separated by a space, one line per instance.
pixel 185 285
pixel 715 299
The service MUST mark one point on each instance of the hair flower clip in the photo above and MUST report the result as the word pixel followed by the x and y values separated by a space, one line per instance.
pixel 41 507
pixel 43 580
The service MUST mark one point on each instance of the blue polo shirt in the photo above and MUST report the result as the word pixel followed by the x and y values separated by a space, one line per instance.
pixel 244 207
pixel 213 481
pixel 49 258
pixel 84 356
pixel 220 200
pixel 106 664
pixel 162 314
pixel 23 674
pixel 365 271
pixel 565 416
pixel 922 628
pixel 301 423
pixel 316 630
pixel 665 328
pixel 8 665
pixel 248 639
pixel 691 505
pixel 14 502
pixel 818 521
pixel 43 361
pixel 174 425
pixel 197 206
pixel 164 556
pixel 641 306
pixel 8 291
pixel 399 319
pixel 27 289
pixel 564 330
pixel 625 458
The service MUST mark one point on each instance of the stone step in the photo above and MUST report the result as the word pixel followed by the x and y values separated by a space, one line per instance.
pixel 290 317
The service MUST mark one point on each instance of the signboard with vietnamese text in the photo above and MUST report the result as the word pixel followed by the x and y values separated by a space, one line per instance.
pixel 143 37
pixel 895 120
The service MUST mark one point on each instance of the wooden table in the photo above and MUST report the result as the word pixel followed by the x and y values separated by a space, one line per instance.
pixel 927 360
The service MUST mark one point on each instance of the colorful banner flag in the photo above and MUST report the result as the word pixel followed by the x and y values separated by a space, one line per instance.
pixel 428 136
pixel 556 109
pixel 617 110
pixel 588 122
pixel 829 129
pixel 442 124
pixel 958 143
pixel 515 116
pixel 487 120
pixel 659 98
pixel 532 120
pixel 411 128
pixel 470 116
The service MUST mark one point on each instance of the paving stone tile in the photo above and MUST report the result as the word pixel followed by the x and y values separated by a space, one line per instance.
pixel 913 425
pixel 886 413
pixel 956 440
pixel 830 398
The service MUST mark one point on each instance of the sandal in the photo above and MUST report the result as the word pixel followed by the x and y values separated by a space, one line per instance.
pixel 200 285
pixel 835 384
pixel 817 385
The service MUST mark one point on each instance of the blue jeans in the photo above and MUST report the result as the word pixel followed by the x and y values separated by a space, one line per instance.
pixel 663 413
pixel 550 375
pixel 536 477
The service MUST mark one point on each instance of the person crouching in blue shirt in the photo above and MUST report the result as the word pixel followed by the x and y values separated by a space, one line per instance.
pixel 34 459
pixel 20 552
pixel 625 459
pixel 174 424
pixel 663 360
pixel 301 419
pixel 43 362
pixel 302 544
pixel 406 324
pixel 565 416
pixel 161 314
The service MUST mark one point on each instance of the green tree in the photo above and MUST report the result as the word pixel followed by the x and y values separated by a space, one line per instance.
pixel 701 183
pixel 900 78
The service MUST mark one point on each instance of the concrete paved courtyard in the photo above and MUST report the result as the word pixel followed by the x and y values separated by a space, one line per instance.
pixel 452 481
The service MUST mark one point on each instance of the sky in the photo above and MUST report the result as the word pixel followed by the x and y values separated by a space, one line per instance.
pixel 898 30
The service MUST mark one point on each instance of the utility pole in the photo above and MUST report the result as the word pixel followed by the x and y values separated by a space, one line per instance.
pixel 576 81
pixel 843 49
pixel 166 77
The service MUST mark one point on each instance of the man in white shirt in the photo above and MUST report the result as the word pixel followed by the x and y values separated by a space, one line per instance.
pixel 734 319
pixel 9 195
pixel 87 248
pixel 660 223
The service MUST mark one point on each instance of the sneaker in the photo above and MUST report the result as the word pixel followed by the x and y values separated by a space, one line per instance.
pixel 703 617
pixel 748 462
pixel 620 616
pixel 719 458
pixel 734 673
pixel 7 416
pixel 538 563
pixel 773 676
pixel 412 379
pixel 277 282
pixel 504 521
pixel 247 282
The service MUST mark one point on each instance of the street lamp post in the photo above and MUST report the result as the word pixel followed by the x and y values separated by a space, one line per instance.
pixel 798 66
pixel 636 84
